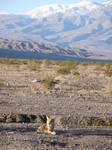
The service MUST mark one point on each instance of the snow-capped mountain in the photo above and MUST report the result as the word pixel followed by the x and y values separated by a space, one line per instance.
pixel 82 7
pixel 108 3
pixel 85 25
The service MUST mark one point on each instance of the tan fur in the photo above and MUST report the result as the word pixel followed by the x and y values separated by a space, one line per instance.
pixel 48 127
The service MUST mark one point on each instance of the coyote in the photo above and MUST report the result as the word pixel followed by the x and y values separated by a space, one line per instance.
pixel 47 127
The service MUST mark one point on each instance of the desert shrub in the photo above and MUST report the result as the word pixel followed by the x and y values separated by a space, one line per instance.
pixel 34 61
pixel 64 71
pixel 87 63
pixel 48 82
pixel 2 83
pixel 108 123
pixel 68 63
pixel 102 123
pixel 39 62
pixel 59 63
pixel 93 63
pixel 99 123
pixel 108 70
pixel 32 67
pixel 101 64
pixel 7 61
pixel 76 73
pixel 47 62
pixel 86 121
pixel 67 66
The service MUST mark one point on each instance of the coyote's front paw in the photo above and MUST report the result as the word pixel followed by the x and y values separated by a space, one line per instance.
pixel 53 133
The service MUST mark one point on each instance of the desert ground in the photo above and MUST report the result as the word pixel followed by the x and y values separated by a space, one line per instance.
pixel 77 95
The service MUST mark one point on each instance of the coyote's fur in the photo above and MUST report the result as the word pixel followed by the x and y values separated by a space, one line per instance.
pixel 48 127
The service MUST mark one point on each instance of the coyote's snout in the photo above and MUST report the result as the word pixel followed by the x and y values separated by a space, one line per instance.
pixel 47 127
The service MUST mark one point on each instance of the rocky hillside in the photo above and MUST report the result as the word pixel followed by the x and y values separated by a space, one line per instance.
pixel 26 49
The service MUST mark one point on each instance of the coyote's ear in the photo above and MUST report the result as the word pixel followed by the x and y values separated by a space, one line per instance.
pixel 47 117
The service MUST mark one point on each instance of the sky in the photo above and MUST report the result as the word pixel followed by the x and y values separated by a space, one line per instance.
pixel 21 6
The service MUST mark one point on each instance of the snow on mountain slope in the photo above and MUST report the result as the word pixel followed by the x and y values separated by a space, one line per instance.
pixel 44 11
pixel 85 25
pixel 108 3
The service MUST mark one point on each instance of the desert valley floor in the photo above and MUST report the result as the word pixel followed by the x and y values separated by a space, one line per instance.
pixel 72 92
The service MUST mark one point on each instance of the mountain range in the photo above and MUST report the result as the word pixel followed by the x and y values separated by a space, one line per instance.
pixel 34 50
pixel 85 25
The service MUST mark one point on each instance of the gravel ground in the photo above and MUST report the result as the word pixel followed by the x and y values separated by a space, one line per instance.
pixel 89 94
pixel 24 137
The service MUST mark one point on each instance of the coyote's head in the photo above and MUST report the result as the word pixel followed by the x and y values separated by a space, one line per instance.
pixel 50 123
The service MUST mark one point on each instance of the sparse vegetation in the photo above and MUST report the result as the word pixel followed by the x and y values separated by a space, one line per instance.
pixel 47 62
pixel 11 61
pixel 108 70
pixel 64 71
pixel 32 67
pixel 7 61
pixel 85 121
pixel 2 83
pixel 98 123
pixel 76 73
pixel 68 63
pixel 108 123
pixel 65 121
pixel 67 66
pixel 101 122
pixel 101 64
pixel 48 82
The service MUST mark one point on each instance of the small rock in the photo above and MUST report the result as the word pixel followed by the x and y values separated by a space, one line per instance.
pixel 34 81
